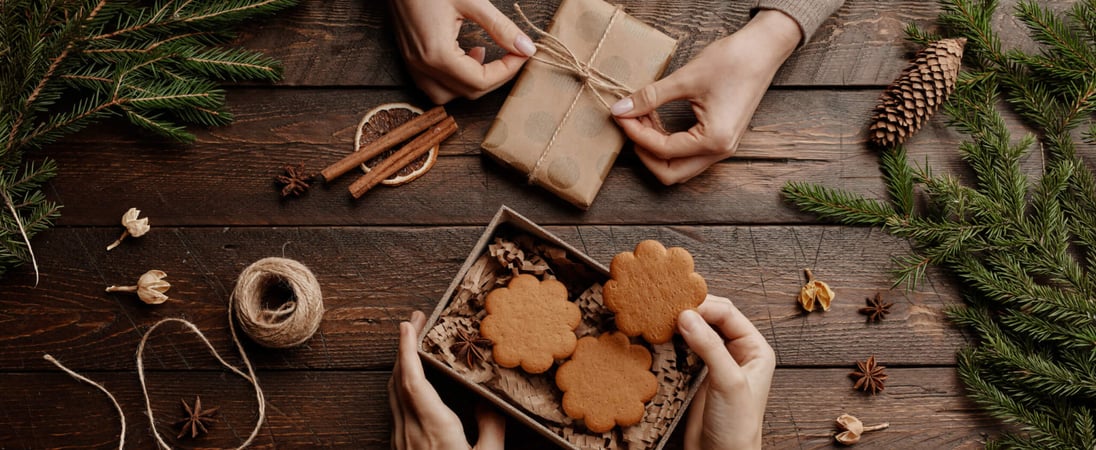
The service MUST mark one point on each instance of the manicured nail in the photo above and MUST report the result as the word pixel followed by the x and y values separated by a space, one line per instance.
pixel 689 321
pixel 622 107
pixel 525 45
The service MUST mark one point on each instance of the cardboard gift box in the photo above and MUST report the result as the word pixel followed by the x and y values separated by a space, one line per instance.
pixel 553 127
pixel 511 245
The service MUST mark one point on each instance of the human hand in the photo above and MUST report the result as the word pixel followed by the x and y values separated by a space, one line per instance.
pixel 422 421
pixel 730 404
pixel 724 83
pixel 427 33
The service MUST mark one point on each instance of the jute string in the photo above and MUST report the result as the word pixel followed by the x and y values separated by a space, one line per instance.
pixel 293 322
pixel 553 52
pixel 308 300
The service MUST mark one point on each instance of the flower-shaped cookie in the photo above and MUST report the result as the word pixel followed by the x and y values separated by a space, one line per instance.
pixel 650 287
pixel 531 323
pixel 607 382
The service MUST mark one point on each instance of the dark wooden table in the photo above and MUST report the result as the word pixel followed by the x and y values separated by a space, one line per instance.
pixel 214 210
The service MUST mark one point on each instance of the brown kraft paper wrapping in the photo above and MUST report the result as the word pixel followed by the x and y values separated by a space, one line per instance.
pixel 550 105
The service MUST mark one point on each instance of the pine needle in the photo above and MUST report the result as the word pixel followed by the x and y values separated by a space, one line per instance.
pixel 23 231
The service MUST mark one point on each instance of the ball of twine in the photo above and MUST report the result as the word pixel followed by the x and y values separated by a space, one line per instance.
pixel 289 324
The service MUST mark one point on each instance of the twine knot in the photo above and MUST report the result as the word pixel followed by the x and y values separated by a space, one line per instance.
pixel 553 52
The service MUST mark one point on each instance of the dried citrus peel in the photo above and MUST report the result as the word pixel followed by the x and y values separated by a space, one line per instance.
pixel 380 120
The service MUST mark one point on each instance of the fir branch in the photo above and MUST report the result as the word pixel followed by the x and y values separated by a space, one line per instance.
pixel 920 36
pixel 70 63
pixel 1059 38
pixel 837 205
pixel 1024 250
pixel 898 176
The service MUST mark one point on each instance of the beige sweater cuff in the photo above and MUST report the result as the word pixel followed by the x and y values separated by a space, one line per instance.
pixel 808 13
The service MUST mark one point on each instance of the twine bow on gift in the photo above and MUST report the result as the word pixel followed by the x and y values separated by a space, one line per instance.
pixel 561 57
pixel 553 52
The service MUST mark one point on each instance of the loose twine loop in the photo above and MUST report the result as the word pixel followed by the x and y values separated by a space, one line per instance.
pixel 557 54
pixel 289 324
pixel 293 323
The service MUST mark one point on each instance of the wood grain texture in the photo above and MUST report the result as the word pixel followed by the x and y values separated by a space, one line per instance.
pixel 352 43
pixel 809 135
pixel 373 277
pixel 925 407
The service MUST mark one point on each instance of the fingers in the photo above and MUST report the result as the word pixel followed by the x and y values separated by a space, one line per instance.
pixel 478 53
pixel 694 424
pixel 710 346
pixel 503 30
pixel 746 344
pixel 418 394
pixel 650 97
pixel 677 170
pixel 418 321
pixel 473 79
pixel 492 428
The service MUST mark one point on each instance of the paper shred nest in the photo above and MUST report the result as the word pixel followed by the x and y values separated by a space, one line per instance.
pixel 674 365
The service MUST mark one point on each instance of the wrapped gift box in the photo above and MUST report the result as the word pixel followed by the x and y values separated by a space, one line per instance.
pixel 510 245
pixel 552 127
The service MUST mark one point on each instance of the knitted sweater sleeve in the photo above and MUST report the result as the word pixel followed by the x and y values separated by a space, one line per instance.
pixel 808 13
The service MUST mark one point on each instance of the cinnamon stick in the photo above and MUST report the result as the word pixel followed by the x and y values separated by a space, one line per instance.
pixel 404 156
pixel 399 134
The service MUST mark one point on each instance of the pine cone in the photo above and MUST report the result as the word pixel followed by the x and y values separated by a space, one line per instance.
pixel 917 93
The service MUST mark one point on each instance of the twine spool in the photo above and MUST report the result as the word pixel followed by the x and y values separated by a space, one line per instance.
pixel 288 324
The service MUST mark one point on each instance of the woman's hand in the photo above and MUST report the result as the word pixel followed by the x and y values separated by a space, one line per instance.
pixel 427 33
pixel 724 83
pixel 730 405
pixel 422 421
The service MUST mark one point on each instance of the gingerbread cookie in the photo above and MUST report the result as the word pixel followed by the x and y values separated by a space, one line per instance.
pixel 606 382
pixel 531 323
pixel 650 287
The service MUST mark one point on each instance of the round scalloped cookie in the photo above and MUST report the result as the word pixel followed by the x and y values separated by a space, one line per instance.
pixel 531 323
pixel 650 287
pixel 607 382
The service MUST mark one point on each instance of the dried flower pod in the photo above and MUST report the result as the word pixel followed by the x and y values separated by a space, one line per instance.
pixel 150 287
pixel 135 226
pixel 851 429
pixel 815 291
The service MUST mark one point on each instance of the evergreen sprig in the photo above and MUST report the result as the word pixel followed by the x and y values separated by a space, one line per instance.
pixel 67 64
pixel 1024 249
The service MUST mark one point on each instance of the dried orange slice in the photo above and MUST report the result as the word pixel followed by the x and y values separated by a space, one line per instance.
pixel 381 120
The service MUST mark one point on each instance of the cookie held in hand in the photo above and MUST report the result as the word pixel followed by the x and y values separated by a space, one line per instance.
pixel 650 287
pixel 531 323
pixel 607 382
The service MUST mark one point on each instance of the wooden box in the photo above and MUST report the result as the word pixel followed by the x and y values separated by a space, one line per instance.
pixel 512 243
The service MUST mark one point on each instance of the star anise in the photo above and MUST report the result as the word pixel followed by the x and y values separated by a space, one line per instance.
pixel 294 181
pixel 877 308
pixel 869 376
pixel 470 347
pixel 197 421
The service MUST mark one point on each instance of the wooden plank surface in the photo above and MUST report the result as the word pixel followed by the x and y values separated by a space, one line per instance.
pixel 351 43
pixel 372 278
pixel 214 209
pixel 924 406
pixel 802 135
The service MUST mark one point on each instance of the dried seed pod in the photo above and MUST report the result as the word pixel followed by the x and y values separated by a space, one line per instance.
pixel 135 226
pixel 150 287
pixel 815 291
pixel 852 428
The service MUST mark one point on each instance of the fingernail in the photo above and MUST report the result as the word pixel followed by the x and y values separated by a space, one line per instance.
pixel 689 321
pixel 525 45
pixel 415 315
pixel 622 106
